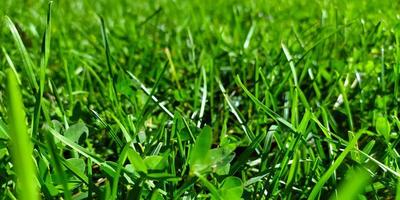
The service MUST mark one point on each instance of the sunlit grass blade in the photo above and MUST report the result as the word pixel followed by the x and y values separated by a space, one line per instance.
pixel 291 63
pixel 148 92
pixel 55 160
pixel 267 110
pixel 11 64
pixel 203 96
pixel 45 51
pixel 28 63
pixel 78 148
pixel 237 115
pixel 318 186
pixel 21 146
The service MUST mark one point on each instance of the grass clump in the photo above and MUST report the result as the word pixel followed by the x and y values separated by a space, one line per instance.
pixel 199 99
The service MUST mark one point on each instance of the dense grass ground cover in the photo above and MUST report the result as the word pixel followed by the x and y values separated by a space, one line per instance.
pixel 199 99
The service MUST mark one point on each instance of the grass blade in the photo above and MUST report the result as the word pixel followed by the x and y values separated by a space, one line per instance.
pixel 264 108
pixel 318 187
pixel 21 145
pixel 29 66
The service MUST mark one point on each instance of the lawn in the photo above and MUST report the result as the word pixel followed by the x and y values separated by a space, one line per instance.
pixel 199 99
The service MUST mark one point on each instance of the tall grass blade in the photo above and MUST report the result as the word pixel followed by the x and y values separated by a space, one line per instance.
pixel 28 64
pixel 21 146
pixel 318 187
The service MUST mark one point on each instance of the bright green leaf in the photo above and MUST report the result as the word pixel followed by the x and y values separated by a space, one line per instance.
pixel 137 161
pixel 155 162
pixel 75 131
pixel 199 156
pixel 231 188
pixel 383 127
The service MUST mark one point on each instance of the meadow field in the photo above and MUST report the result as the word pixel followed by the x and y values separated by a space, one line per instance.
pixel 199 99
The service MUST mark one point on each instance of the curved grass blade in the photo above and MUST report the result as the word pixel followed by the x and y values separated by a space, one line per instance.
pixel 11 64
pixel 26 59
pixel 237 115
pixel 267 110
pixel 78 148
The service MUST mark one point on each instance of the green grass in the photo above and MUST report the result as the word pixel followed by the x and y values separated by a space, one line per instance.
pixel 20 144
pixel 199 99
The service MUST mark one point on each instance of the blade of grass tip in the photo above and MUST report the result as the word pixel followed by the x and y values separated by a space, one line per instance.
pixel 291 63
pixel 318 186
pixel 249 36
pixel 11 64
pixel 111 69
pixel 203 97
pixel 248 133
pixel 342 88
pixel 298 38
pixel 29 66
pixel 106 46
pixel 143 87
pixel 43 65
pixel 173 70
pixel 267 110
pixel 21 148
pixel 45 47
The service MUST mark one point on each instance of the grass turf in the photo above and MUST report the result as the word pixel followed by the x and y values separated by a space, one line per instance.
pixel 199 99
